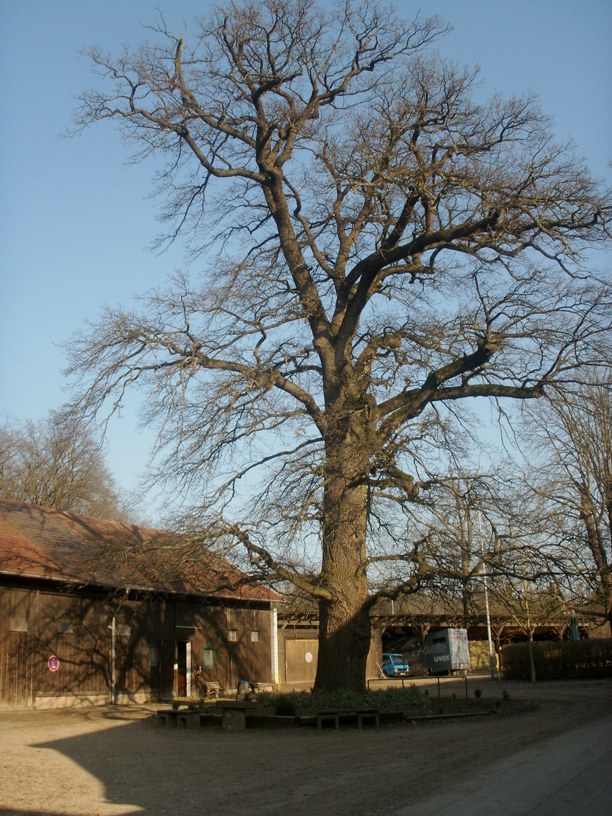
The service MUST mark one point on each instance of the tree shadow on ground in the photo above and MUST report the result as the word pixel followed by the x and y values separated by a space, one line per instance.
pixel 123 763
pixel 147 768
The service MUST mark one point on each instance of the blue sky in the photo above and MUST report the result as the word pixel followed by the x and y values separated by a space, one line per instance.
pixel 76 221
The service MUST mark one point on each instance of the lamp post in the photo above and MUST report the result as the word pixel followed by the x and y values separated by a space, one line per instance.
pixel 492 660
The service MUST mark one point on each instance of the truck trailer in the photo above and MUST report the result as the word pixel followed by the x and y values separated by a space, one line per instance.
pixel 447 651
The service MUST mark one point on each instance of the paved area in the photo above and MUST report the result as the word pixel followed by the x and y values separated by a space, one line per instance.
pixel 568 775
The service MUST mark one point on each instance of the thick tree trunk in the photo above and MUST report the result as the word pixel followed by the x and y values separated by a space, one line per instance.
pixel 344 620
pixel 344 642
pixel 595 539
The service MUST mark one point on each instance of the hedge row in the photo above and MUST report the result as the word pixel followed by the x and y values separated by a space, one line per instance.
pixel 559 660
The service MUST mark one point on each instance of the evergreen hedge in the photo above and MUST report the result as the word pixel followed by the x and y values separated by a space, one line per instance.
pixel 559 660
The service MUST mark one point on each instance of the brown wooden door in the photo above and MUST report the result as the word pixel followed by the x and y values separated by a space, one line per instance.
pixel 17 671
pixel 300 660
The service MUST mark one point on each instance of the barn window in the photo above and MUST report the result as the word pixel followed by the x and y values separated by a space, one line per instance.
pixel 232 635
pixel 65 628
pixel 209 658
pixel 19 624
pixel 254 635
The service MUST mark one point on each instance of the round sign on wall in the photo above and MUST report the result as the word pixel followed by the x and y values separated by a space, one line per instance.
pixel 308 657
pixel 53 663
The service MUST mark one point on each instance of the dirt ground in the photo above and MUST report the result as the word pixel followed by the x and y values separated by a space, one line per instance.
pixel 102 762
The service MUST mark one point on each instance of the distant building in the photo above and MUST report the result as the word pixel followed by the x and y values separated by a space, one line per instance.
pixel 97 611
pixel 403 626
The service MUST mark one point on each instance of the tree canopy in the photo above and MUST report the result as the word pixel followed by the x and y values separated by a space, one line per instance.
pixel 572 474
pixel 58 463
pixel 378 251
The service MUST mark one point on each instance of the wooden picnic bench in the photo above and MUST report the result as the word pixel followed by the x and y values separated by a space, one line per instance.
pixel 231 714
pixel 359 715
pixel 185 717
pixel 212 690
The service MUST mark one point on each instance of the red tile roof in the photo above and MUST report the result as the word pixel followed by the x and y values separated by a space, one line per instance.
pixel 43 543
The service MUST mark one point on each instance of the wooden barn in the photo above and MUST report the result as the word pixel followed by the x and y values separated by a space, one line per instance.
pixel 94 611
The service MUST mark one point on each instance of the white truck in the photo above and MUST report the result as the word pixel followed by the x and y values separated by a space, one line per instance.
pixel 447 651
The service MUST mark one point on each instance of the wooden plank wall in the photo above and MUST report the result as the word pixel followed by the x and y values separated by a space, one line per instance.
pixel 35 624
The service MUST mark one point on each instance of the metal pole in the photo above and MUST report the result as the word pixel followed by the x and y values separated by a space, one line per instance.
pixel 113 628
pixel 492 661
pixel 113 666
pixel 274 646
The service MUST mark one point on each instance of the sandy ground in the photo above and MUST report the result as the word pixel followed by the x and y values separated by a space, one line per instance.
pixel 119 761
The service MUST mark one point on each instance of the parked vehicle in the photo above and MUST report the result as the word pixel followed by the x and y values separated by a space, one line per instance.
pixel 447 651
pixel 395 665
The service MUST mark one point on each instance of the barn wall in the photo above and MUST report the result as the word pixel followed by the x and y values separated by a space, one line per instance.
pixel 237 640
pixel 162 648
pixel 16 671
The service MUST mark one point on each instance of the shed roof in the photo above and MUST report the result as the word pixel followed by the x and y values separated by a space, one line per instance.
pixel 44 543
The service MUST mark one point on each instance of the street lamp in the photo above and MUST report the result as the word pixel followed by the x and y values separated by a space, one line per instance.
pixel 492 660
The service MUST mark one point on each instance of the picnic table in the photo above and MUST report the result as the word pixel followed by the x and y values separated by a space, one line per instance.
pixel 233 715
pixel 175 717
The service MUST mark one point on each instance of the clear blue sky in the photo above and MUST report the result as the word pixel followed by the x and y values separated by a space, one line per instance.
pixel 75 221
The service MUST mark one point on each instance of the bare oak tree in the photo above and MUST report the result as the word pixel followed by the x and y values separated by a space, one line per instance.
pixel 491 526
pixel 572 432
pixel 57 462
pixel 380 250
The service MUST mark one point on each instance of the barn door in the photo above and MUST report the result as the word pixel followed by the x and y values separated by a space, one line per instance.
pixel 300 660
pixel 17 670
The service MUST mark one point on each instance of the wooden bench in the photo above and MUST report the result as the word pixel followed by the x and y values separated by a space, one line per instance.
pixel 185 718
pixel 328 716
pixel 368 714
pixel 359 716
pixel 211 691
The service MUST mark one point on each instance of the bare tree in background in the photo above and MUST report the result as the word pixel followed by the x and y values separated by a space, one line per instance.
pixel 490 526
pixel 56 462
pixel 572 433
pixel 379 249
pixel 530 603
